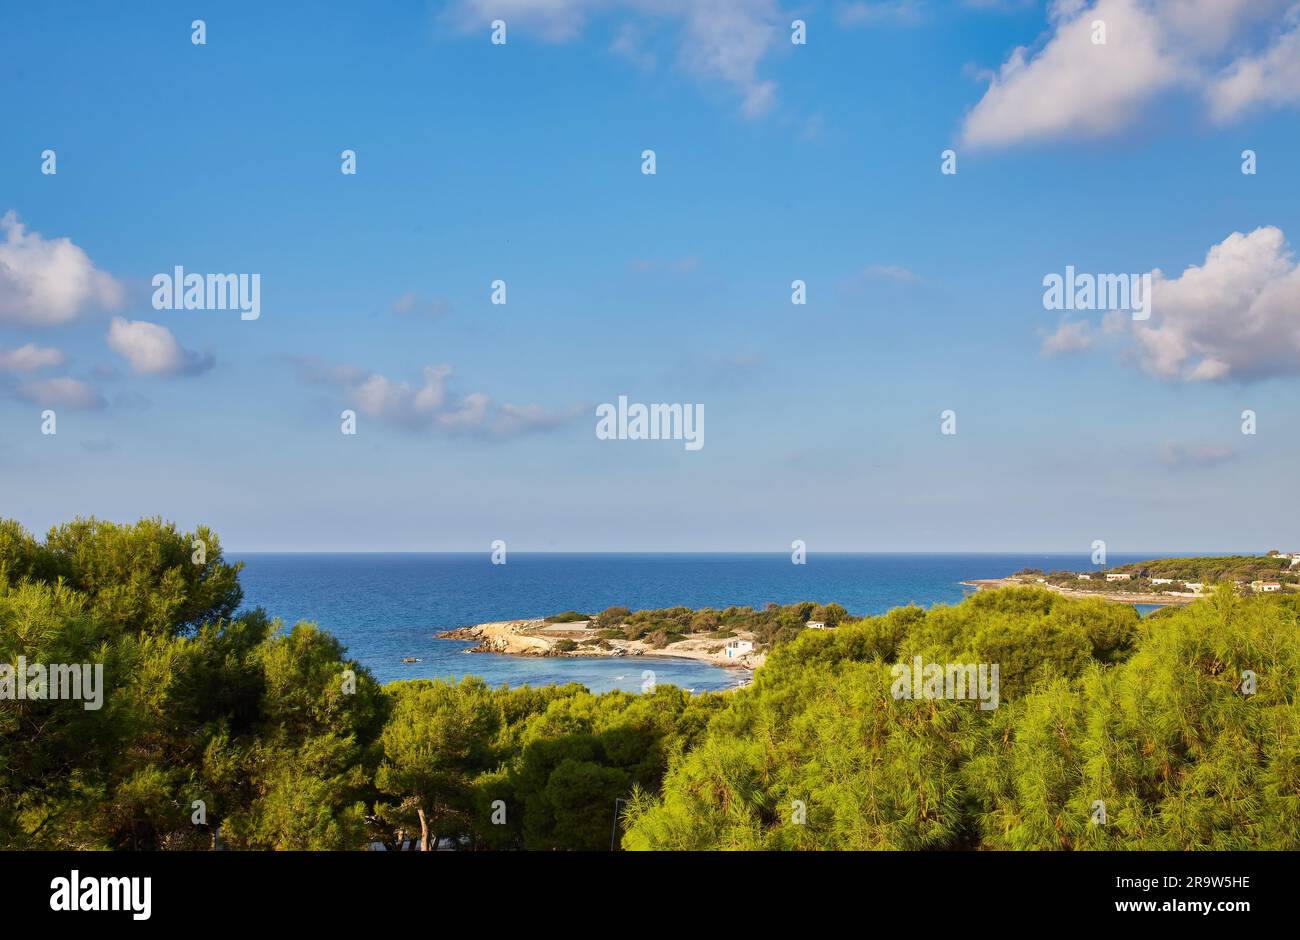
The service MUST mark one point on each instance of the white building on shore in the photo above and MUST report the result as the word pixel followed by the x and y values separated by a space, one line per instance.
pixel 738 648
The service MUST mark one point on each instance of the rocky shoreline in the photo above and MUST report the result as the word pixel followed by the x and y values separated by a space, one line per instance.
pixel 537 637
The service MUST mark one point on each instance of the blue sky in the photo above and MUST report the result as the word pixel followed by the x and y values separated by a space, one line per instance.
pixel 775 162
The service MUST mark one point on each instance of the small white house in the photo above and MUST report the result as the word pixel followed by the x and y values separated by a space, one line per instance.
pixel 1266 587
pixel 816 625
pixel 1085 577
pixel 1119 576
pixel 737 648
pixel 1162 580
pixel 1196 586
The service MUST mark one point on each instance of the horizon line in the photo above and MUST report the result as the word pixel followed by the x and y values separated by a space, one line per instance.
pixel 480 551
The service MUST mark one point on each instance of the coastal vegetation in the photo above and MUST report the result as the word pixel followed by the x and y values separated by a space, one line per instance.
pixel 1176 576
pixel 220 726
pixel 774 623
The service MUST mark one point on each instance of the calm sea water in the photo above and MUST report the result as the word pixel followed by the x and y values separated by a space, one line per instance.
pixel 388 606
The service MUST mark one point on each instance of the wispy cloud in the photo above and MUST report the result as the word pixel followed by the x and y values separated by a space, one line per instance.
pixel 428 405
pixel 678 266
pixel 411 304
pixel 31 358
pixel 63 392
pixel 1182 456
pixel 874 12
pixel 719 40
pixel 1070 337
pixel 891 272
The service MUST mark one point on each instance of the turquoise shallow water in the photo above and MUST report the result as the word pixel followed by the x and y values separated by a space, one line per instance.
pixel 387 606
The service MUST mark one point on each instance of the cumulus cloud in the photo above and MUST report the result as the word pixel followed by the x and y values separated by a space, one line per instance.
pixel 723 40
pixel 428 404
pixel 30 358
pixel 63 392
pixel 151 349
pixel 45 282
pixel 1067 85
pixel 1071 336
pixel 1235 316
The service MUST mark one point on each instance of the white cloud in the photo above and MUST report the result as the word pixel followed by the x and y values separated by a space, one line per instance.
pixel 1269 78
pixel 151 349
pixel 1071 336
pixel 1235 316
pixel 1072 86
pixel 30 358
pixel 428 405
pixel 45 282
pixel 723 40
pixel 62 392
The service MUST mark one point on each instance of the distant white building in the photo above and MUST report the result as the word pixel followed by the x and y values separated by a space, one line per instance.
pixel 1196 586
pixel 737 648
pixel 1266 587
pixel 1119 576
pixel 1162 580
pixel 817 625
pixel 1085 577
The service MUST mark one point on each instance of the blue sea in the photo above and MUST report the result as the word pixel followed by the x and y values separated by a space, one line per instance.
pixel 384 607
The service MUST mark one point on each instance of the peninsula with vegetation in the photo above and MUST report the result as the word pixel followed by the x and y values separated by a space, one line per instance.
pixel 1165 581
pixel 734 637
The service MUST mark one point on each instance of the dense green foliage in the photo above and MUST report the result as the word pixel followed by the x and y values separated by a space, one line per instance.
pixel 1237 570
pixel 1147 717
pixel 236 713
pixel 1211 570
pixel 773 624
pixel 289 745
